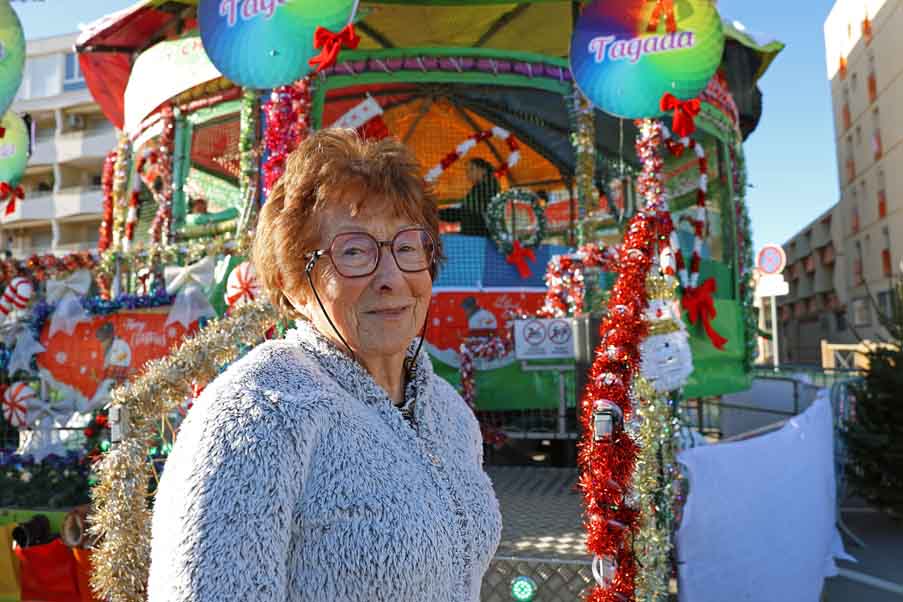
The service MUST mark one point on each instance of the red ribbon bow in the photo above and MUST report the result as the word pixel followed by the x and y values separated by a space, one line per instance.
pixel 684 112
pixel 663 8
pixel 8 192
pixel 518 257
pixel 701 307
pixel 331 43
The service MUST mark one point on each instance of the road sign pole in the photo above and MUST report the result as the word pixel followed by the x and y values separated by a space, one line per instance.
pixel 774 332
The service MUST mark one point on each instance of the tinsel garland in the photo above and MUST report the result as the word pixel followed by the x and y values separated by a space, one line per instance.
pixel 583 141
pixel 607 463
pixel 565 285
pixel 745 254
pixel 161 226
pixel 99 306
pixel 121 517
pixel 42 267
pixel 105 234
pixel 247 146
pixel 187 252
pixel 486 348
pixel 148 156
pixel 287 125
pixel 120 183
pixel 654 480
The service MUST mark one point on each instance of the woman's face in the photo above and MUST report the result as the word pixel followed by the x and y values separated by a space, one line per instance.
pixel 377 315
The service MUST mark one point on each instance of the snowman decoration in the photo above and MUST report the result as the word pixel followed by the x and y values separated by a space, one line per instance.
pixel 666 360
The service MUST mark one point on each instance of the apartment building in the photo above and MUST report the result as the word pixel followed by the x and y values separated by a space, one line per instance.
pixel 841 265
pixel 62 209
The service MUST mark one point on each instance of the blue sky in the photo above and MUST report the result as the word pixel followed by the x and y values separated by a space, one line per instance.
pixel 790 157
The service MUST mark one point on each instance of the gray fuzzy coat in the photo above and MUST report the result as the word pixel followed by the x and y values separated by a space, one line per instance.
pixel 295 479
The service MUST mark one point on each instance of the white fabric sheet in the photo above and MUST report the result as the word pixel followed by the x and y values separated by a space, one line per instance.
pixel 759 522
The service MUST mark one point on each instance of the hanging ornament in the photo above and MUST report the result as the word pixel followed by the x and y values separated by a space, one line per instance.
pixel 16 296
pixel 666 359
pixel 626 54
pixel 15 404
pixel 267 44
pixel 12 55
pixel 242 285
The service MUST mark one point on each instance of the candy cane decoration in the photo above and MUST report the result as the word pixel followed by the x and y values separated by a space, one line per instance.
pixel 468 144
pixel 15 400
pixel 16 296
pixel 242 285
pixel 673 260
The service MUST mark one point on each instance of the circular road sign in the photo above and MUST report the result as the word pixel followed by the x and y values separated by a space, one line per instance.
pixel 771 259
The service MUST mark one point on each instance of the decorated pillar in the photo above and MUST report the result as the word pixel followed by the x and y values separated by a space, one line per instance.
pixel 583 138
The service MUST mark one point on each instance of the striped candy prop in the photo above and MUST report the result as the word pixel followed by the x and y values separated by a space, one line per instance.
pixel 15 404
pixel 697 298
pixel 16 296
pixel 468 144
pixel 242 285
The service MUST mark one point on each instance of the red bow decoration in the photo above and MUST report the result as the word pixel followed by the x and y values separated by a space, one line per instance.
pixel 331 43
pixel 663 8
pixel 2 132
pixel 701 307
pixel 518 257
pixel 8 192
pixel 684 112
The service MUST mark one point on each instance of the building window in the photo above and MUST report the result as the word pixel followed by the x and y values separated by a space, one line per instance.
pixel 854 83
pixel 877 150
pixel 886 267
pixel 873 79
pixel 74 80
pixel 854 217
pixel 867 30
pixel 860 314
pixel 884 303
pixel 842 67
pixel 882 196
pixel 858 135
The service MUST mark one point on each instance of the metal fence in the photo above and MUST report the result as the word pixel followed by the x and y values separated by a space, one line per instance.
pixel 555 580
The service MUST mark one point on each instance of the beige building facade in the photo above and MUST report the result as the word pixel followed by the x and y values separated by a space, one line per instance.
pixel 841 266
pixel 62 209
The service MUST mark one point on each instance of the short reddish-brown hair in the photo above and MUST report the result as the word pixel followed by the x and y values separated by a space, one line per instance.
pixel 323 169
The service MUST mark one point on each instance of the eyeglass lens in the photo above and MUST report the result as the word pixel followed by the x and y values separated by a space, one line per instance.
pixel 357 254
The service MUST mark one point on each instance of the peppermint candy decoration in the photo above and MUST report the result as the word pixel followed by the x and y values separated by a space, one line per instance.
pixel 16 400
pixel 673 263
pixel 16 296
pixel 242 285
pixel 468 144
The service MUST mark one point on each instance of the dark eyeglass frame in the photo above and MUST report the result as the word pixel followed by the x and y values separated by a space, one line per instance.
pixel 313 256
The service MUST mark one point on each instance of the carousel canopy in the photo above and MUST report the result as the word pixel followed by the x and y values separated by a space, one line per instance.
pixel 109 47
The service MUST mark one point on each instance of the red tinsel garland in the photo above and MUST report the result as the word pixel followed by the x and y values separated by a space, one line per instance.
pixel 607 465
pixel 106 183
pixel 40 267
pixel 287 125
pixel 161 226
pixel 565 281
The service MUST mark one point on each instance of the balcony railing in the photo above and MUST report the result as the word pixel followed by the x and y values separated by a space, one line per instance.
pixel 64 203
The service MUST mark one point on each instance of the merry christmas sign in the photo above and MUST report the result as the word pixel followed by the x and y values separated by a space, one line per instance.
pixel 105 351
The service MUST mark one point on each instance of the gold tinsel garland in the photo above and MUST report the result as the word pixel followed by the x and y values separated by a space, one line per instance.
pixel 653 483
pixel 121 517
pixel 175 254
pixel 120 188
pixel 583 140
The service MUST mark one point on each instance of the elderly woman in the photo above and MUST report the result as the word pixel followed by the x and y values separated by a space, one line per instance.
pixel 334 464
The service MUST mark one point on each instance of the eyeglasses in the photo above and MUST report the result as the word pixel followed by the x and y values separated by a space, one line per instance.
pixel 357 254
